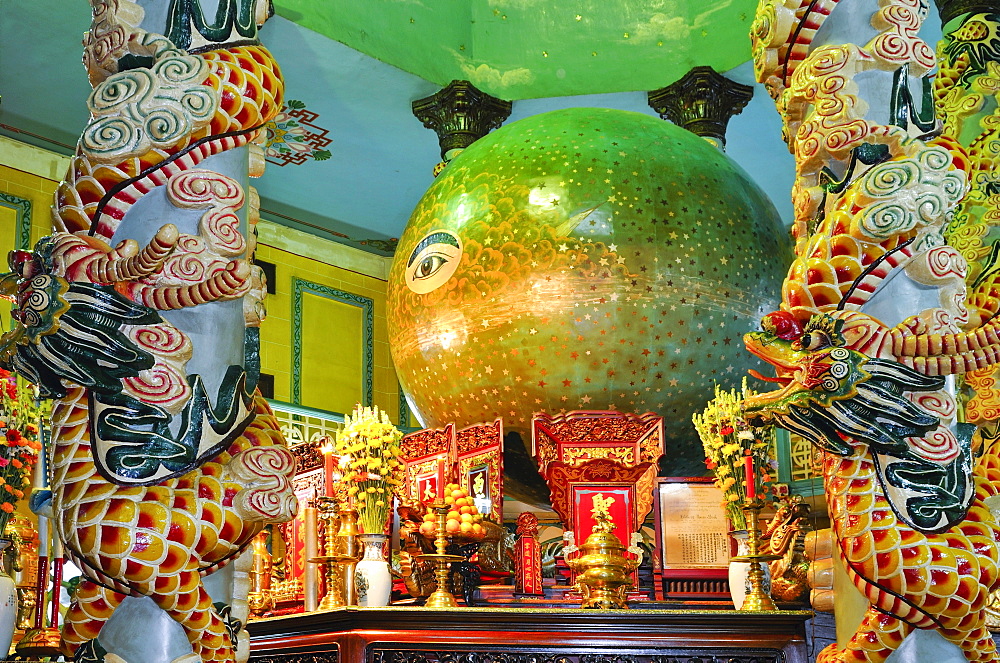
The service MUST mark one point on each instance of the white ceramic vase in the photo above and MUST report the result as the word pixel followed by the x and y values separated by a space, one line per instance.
pixel 8 602
pixel 739 581
pixel 371 576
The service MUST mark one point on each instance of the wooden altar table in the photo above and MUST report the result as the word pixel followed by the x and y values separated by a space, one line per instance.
pixel 519 635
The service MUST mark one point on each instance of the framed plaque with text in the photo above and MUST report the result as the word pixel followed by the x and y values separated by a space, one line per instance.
pixel 692 538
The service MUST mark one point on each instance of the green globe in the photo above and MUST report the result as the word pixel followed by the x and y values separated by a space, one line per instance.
pixel 583 259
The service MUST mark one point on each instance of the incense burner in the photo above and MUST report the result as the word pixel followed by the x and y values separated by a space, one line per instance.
pixel 603 572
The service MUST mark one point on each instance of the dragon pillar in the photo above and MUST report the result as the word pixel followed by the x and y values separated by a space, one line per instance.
pixel 875 326
pixel 140 316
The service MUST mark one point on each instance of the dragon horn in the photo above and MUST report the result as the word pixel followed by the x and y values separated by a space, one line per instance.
pixel 127 263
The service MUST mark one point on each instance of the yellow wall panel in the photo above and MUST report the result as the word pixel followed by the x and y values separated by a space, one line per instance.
pixel 21 191
pixel 8 232
pixel 278 332
pixel 332 362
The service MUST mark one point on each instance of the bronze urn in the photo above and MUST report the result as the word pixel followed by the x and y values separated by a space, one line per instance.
pixel 603 572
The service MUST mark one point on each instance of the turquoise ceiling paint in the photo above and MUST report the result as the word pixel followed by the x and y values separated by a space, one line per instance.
pixel 381 157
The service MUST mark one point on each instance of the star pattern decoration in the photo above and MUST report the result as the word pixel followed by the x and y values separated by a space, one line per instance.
pixel 610 260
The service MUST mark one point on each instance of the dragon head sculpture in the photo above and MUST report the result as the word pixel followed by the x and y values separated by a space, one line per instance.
pixel 829 389
pixel 837 398
pixel 67 329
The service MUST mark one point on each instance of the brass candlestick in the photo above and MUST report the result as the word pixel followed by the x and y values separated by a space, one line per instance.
pixel 756 598
pixel 41 641
pixel 350 555
pixel 441 597
pixel 339 553
pixel 260 599
pixel 334 597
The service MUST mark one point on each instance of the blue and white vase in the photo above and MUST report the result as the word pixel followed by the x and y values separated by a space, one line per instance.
pixel 8 602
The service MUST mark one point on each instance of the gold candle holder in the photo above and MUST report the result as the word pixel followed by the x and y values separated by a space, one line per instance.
pixel 260 599
pixel 441 597
pixel 350 555
pixel 40 643
pixel 756 599
pixel 334 597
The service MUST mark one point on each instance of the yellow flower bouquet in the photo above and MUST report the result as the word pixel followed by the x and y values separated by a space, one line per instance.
pixel 373 470
pixel 729 440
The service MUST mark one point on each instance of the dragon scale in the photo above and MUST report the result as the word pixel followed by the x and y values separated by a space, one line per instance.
pixel 912 580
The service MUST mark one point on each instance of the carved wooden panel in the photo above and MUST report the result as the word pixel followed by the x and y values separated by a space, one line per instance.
pixel 583 435
pixel 700 586
pixel 600 474
pixel 522 635
pixel 325 657
pixel 480 466
pixel 527 655
pixel 471 457
pixel 307 455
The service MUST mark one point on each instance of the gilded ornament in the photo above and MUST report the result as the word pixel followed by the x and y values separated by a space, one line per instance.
pixel 602 569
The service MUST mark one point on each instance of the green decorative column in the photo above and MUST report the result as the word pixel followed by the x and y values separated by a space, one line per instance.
pixel 965 94
pixel 702 101
pixel 952 9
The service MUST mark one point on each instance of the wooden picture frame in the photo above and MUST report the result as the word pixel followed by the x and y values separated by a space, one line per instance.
pixel 479 466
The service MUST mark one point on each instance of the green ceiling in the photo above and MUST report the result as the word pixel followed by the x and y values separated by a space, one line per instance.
pixel 523 49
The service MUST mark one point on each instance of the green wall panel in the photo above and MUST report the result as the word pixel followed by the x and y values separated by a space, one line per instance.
pixel 520 49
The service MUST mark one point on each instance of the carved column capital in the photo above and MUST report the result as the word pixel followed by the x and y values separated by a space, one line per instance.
pixel 460 114
pixel 702 101
pixel 949 9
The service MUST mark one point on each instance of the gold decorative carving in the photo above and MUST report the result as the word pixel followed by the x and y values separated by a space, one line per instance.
pixel 562 478
pixel 577 455
pixel 585 435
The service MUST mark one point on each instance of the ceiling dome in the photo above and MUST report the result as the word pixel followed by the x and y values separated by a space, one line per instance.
pixel 583 259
